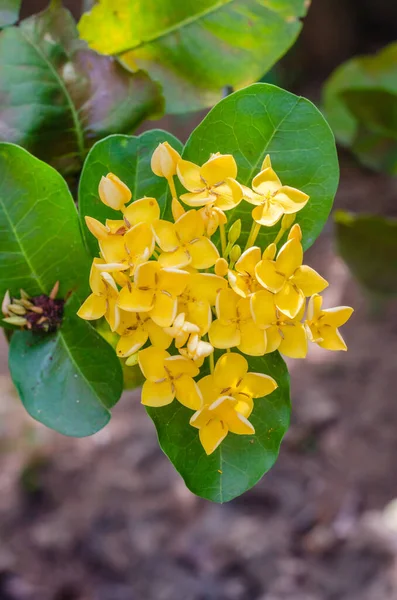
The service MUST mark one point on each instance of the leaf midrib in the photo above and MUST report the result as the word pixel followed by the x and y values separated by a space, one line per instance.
pixel 77 126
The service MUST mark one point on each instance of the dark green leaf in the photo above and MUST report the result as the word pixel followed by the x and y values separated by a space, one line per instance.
pixel 195 48
pixel 241 460
pixel 263 119
pixel 9 12
pixel 58 97
pixel 70 379
pixel 128 157
pixel 368 244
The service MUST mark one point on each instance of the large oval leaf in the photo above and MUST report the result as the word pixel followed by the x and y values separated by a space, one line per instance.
pixel 67 380
pixel 368 245
pixel 75 95
pixel 129 158
pixel 9 12
pixel 264 119
pixel 241 460
pixel 195 48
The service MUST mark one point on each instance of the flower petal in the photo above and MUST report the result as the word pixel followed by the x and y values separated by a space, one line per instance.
pixel 189 175
pixel 207 389
pixel 237 423
pixel 97 284
pixel 146 275
pixel 164 309
pixel 131 343
pixel 263 309
pixel 314 307
pixel 173 281
pixel 145 210
pixel 273 338
pixel 212 434
pixel 177 259
pixel 230 368
pixel 251 196
pixel 289 300
pixel 308 280
pixel 93 308
pixel 188 227
pixel 113 249
pixel 98 229
pixel 165 235
pixel 226 305
pixel 203 252
pixel 257 385
pixel 138 239
pixel 248 260
pixel 157 336
pixel 199 313
pixel 157 394
pixel 218 168
pixel 245 405
pixel 224 335
pixel 188 393
pixel 293 340
pixel 331 339
pixel 267 214
pixel 206 286
pixel 336 317
pixel 289 258
pixel 266 182
pixel 290 199
pixel 136 300
pixel 253 339
pixel 268 276
pixel 179 365
pixel 228 195
pixel 196 199
pixel 151 362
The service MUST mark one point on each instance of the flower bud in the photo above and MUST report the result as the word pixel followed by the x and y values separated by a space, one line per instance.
pixel 221 267
pixel 5 303
pixel 234 231
pixel 113 192
pixel 132 360
pixel 164 160
pixel 270 252
pixel 287 221
pixel 295 232
pixel 18 321
pixel 235 254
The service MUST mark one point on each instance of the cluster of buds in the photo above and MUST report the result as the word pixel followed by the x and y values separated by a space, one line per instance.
pixel 40 313
pixel 173 297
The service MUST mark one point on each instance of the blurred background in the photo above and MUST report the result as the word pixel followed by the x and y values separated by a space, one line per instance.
pixel 108 518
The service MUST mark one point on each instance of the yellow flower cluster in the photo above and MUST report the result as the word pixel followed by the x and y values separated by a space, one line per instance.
pixel 165 285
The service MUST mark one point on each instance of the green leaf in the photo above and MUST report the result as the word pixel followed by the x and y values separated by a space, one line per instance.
pixel 70 379
pixel 128 157
pixel 368 245
pixel 9 12
pixel 193 48
pixel 58 97
pixel 263 119
pixel 371 74
pixel 241 460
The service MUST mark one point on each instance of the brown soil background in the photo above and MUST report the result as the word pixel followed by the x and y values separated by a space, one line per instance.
pixel 108 518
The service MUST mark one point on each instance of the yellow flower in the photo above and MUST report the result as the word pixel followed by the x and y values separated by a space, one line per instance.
pixel 183 243
pixel 272 199
pixel 322 324
pixel 135 329
pixel 164 160
pixel 103 300
pixel 287 278
pixel 196 349
pixel 235 325
pixel 212 217
pixel 214 183
pixel 180 330
pixel 198 297
pixel 228 400
pixel 283 334
pixel 113 192
pixel 168 377
pixel 243 279
pixel 144 210
pixel 155 291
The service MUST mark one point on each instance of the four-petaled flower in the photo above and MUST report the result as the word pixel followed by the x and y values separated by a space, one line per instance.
pixel 322 324
pixel 228 396
pixel 183 243
pixel 168 377
pixel 103 300
pixel 213 183
pixel 135 329
pixel 243 279
pixel 287 278
pixel 272 199
pixel 235 325
pixel 286 335
pixel 155 290
pixel 198 297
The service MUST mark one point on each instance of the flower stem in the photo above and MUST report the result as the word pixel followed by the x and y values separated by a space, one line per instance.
pixel 223 238
pixel 253 235
pixel 172 187
pixel 212 363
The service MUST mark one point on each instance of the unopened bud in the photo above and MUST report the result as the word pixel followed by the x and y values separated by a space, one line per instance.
pixel 235 254
pixel 221 267
pixel 295 233
pixel 287 221
pixel 270 252
pixel 5 303
pixel 18 321
pixel 132 360
pixel 164 160
pixel 113 192
pixel 17 309
pixel 177 209
pixel 234 232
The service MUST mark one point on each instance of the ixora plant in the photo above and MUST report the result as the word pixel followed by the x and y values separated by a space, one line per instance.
pixel 197 280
